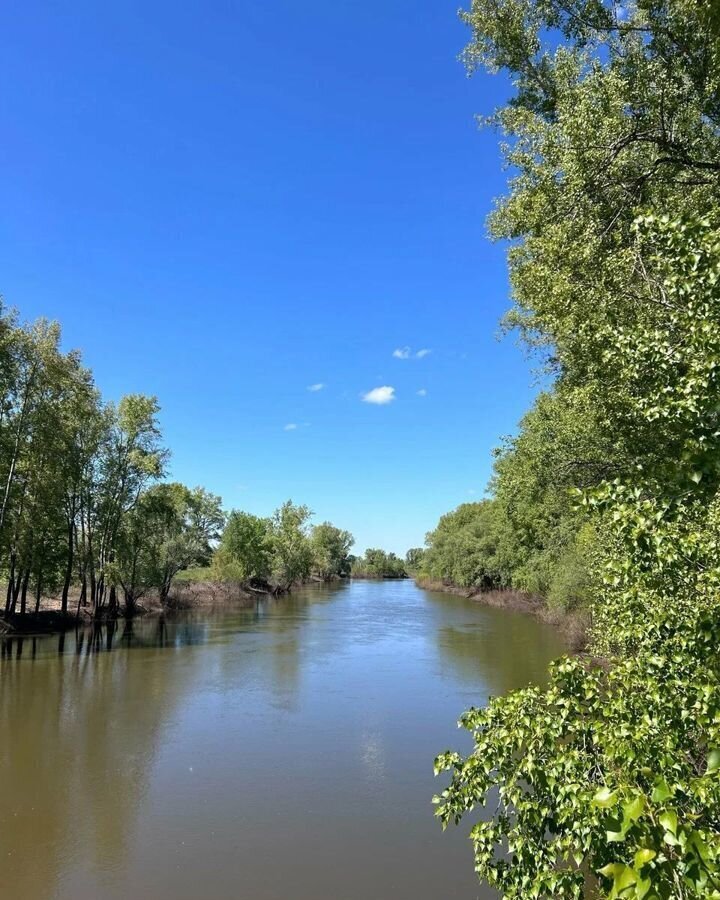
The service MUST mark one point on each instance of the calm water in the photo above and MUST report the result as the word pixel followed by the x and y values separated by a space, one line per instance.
pixel 281 752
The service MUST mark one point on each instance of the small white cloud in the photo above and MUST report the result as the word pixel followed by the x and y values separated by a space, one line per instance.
pixel 291 426
pixel 316 387
pixel 422 392
pixel 380 395
pixel 407 353
pixel 472 492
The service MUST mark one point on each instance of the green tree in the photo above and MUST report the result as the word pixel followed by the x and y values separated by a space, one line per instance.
pixel 462 550
pixel 170 528
pixel 330 550
pixel 292 552
pixel 609 779
pixel 130 457
pixel 413 559
pixel 245 551
pixel 378 564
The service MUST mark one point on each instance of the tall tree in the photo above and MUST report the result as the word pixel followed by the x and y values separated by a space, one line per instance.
pixel 330 550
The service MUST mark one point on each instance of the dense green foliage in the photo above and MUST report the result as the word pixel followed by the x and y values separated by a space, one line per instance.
pixel 80 504
pixel 331 551
pixel 83 509
pixel 282 549
pixel 378 564
pixel 414 559
pixel 530 534
pixel 463 549
pixel 608 781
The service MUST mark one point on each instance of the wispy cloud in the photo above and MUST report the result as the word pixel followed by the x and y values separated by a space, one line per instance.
pixel 291 426
pixel 422 392
pixel 380 395
pixel 407 353
pixel 316 387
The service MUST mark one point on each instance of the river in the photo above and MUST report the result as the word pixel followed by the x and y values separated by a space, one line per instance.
pixel 280 752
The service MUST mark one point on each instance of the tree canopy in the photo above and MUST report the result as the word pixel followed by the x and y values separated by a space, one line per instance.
pixel 609 780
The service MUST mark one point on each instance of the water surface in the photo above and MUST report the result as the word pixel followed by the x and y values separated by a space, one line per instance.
pixel 279 752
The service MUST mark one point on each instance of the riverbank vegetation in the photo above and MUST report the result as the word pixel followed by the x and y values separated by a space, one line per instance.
pixel 378 564
pixel 274 553
pixel 607 781
pixel 85 515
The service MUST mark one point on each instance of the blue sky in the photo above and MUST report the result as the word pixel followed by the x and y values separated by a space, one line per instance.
pixel 225 203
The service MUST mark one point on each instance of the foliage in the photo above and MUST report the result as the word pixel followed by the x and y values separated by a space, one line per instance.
pixel 282 548
pixel 608 781
pixel 463 548
pixel 292 551
pixel 530 534
pixel 414 559
pixel 80 501
pixel 170 529
pixel 245 550
pixel 330 551
pixel 378 564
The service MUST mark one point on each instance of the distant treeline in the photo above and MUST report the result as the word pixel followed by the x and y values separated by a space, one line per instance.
pixel 379 564
pixel 278 551
pixel 84 512
pixel 532 534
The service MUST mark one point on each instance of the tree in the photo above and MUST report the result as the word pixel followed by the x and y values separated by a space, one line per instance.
pixel 292 552
pixel 463 548
pixel 413 559
pixel 130 458
pixel 170 528
pixel 608 779
pixel 330 549
pixel 378 564
pixel 245 551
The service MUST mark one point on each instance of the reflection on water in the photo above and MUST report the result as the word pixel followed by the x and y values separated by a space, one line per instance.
pixel 103 637
pixel 284 750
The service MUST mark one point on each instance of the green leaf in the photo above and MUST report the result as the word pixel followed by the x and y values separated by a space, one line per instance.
pixel 713 762
pixel 669 821
pixel 661 792
pixel 643 857
pixel 604 798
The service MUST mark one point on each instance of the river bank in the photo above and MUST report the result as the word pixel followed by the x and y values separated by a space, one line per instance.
pixel 573 624
pixel 185 595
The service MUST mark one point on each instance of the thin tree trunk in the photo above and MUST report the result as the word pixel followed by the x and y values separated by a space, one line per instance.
pixel 112 601
pixel 69 568
pixel 38 593
pixel 23 594
pixel 11 582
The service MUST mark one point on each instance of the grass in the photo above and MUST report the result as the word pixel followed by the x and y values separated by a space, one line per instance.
pixel 193 575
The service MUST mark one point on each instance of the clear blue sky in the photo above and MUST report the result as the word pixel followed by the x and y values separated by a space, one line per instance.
pixel 226 202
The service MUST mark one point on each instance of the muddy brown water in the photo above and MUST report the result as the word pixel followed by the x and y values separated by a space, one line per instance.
pixel 280 752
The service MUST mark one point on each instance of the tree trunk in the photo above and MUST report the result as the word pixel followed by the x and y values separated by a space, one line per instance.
pixel 38 594
pixel 68 570
pixel 11 584
pixel 23 594
pixel 112 602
